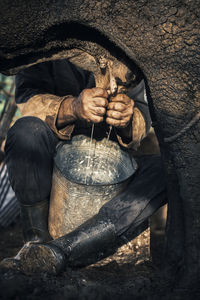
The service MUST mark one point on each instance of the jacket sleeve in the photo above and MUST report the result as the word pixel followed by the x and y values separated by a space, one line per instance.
pixel 141 120
pixel 35 96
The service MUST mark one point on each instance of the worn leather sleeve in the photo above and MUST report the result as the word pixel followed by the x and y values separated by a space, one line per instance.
pixel 138 131
pixel 46 107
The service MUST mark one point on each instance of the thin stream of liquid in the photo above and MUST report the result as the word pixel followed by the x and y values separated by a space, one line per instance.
pixel 89 155
pixel 108 137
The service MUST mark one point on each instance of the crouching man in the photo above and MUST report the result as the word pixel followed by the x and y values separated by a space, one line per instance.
pixel 59 100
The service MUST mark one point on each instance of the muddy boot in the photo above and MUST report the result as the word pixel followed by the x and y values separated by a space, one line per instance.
pixel 34 220
pixel 89 243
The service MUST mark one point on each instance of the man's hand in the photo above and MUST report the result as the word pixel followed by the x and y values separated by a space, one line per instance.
pixel 120 111
pixel 91 105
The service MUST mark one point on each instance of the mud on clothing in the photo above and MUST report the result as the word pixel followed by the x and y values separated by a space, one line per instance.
pixel 31 146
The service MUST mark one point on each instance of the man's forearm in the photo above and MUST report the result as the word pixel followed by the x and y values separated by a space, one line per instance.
pixel 132 135
pixel 66 114
pixel 47 108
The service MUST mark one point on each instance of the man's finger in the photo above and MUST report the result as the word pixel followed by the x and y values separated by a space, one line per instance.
pixel 96 119
pixel 118 106
pixel 99 111
pixel 101 102
pixel 121 98
pixel 99 92
pixel 116 123
pixel 114 114
pixel 119 115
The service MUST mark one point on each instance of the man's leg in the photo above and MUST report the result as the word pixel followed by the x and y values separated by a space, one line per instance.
pixel 102 234
pixel 30 147
pixel 145 194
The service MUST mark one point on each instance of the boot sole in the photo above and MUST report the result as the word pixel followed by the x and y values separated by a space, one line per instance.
pixel 38 258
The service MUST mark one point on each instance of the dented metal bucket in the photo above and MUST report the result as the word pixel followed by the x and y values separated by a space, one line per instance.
pixel 86 175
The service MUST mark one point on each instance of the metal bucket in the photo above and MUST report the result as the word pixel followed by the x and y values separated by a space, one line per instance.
pixel 86 175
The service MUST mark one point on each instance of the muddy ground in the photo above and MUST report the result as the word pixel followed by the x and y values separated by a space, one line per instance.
pixel 111 281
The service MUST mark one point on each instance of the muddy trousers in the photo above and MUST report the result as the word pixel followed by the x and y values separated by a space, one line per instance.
pixel 30 148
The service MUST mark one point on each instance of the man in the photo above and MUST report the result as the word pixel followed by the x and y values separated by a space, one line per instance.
pixel 59 100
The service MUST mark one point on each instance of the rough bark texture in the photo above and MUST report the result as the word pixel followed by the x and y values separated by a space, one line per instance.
pixel 162 38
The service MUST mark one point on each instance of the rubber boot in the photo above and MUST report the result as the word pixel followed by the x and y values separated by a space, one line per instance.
pixel 34 220
pixel 35 230
pixel 87 244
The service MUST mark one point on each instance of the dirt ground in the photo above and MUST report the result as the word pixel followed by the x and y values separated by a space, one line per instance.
pixel 112 281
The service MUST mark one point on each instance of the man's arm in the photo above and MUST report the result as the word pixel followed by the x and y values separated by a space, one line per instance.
pixel 130 118
pixel 35 95
pixel 89 106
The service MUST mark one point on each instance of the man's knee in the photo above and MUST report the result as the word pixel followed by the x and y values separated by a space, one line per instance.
pixel 25 133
